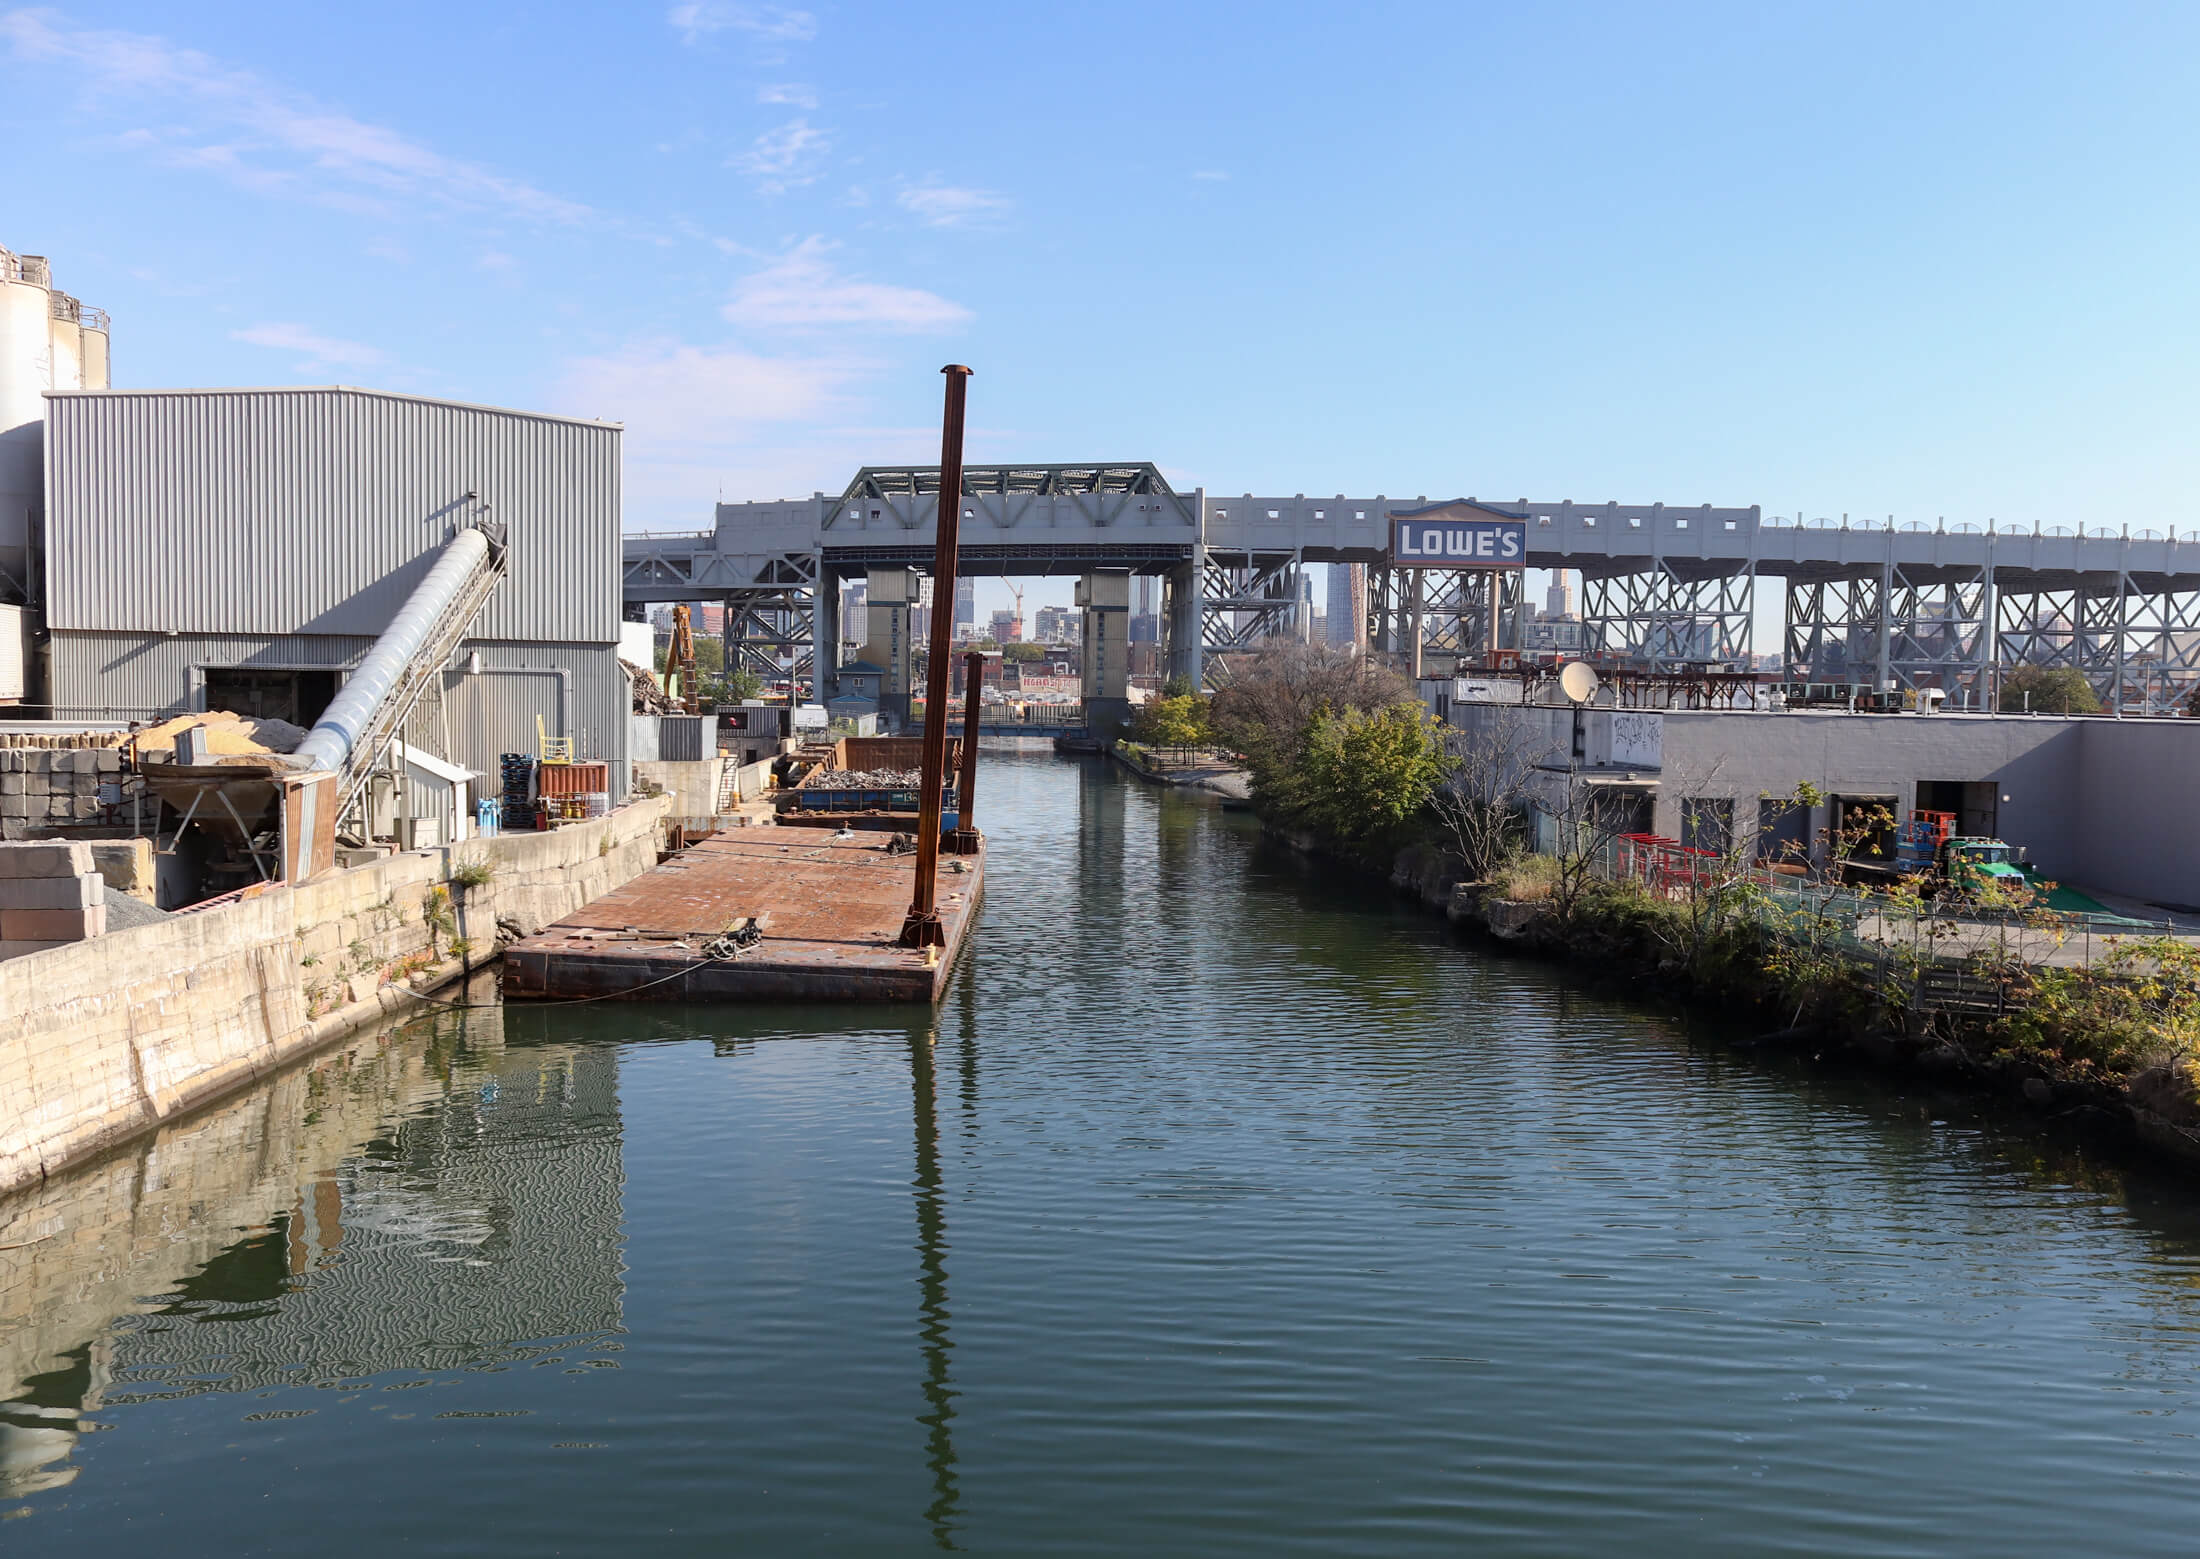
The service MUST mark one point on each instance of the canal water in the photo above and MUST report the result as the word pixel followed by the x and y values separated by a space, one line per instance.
pixel 1226 1207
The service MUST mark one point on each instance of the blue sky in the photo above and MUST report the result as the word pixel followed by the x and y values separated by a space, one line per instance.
pixel 1869 259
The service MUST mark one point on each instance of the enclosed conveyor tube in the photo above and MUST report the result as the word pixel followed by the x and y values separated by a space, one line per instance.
pixel 328 745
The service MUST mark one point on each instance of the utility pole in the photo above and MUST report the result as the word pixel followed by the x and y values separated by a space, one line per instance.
pixel 966 788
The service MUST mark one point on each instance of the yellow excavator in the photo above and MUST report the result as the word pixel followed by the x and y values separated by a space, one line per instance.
pixel 680 679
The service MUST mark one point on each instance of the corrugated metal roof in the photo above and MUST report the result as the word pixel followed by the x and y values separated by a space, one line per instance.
pixel 348 389
pixel 317 511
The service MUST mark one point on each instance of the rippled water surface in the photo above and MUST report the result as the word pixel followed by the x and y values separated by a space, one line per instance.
pixel 1225 1207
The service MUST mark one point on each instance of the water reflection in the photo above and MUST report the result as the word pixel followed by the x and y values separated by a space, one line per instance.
pixel 430 1201
pixel 932 1311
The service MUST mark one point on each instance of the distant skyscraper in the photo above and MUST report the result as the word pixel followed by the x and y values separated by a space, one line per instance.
pixel 966 602
pixel 1145 608
pixel 1347 602
pixel 1058 624
pixel 1559 601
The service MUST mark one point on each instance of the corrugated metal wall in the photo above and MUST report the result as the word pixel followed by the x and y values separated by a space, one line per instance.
pixel 317 511
pixel 133 676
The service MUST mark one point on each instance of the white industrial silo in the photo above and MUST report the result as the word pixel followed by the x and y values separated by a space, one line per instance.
pixel 26 373
pixel 94 322
pixel 68 343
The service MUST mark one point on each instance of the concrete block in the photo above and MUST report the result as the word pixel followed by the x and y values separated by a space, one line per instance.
pixel 16 948
pixel 108 760
pixel 84 783
pixel 45 858
pixel 17 809
pixel 52 925
pixel 126 865
pixel 60 809
pixel 13 784
pixel 52 892
pixel 11 761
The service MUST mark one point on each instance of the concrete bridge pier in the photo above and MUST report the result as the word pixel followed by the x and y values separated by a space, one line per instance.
pixel 1182 647
pixel 1105 596
pixel 889 594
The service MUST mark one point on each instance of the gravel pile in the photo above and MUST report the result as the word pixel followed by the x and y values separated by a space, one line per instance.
pixel 124 911
pixel 864 779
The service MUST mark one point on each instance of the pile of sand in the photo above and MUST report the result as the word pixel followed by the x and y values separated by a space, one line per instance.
pixel 227 736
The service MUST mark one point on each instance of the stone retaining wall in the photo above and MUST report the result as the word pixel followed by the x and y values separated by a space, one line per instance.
pixel 42 788
pixel 103 1040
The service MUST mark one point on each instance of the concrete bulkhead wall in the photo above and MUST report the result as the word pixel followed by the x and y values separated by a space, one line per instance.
pixel 110 1038
pixel 692 789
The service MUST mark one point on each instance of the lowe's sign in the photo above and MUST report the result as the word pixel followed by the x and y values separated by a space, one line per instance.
pixel 1448 543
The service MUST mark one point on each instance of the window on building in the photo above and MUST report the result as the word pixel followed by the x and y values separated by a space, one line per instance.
pixel 1783 833
pixel 1866 827
pixel 1707 822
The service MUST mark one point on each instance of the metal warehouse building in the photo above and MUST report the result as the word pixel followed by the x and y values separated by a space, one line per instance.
pixel 242 549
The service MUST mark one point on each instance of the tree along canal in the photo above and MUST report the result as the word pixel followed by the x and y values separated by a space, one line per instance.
pixel 1225 1207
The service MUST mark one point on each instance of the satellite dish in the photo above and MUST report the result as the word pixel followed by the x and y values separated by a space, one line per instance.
pixel 1578 681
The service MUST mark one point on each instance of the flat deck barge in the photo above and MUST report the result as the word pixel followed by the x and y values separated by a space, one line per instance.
pixel 827 912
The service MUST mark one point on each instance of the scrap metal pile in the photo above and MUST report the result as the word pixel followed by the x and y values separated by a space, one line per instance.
pixel 649 698
pixel 863 779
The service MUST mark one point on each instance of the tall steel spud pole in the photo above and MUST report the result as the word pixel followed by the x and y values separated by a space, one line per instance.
pixel 922 928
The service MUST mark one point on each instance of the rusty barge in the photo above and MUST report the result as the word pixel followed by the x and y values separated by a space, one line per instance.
pixel 757 915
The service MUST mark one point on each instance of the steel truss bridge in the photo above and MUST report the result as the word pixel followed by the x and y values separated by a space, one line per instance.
pixel 1664 586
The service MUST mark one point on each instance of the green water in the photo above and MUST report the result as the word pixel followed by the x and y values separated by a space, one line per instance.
pixel 1226 1207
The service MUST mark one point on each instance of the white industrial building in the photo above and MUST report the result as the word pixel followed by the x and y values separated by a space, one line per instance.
pixel 2099 803
pixel 243 549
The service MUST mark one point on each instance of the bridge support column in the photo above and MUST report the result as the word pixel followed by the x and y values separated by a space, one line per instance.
pixel 1183 650
pixel 1416 624
pixel 1106 599
pixel 824 635
pixel 888 594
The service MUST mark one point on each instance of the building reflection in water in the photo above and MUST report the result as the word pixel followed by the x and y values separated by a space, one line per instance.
pixel 391 1205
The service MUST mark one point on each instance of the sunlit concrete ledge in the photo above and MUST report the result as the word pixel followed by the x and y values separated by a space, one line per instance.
pixel 105 1039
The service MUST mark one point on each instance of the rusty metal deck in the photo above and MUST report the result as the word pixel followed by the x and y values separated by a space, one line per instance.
pixel 830 911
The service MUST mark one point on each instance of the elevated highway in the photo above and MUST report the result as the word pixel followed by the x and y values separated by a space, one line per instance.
pixel 1662 584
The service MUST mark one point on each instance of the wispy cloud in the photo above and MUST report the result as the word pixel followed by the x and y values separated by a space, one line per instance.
pixel 786 158
pixel 804 290
pixel 319 351
pixel 949 205
pixel 262 136
pixel 790 93
pixel 495 260
pixel 705 418
pixel 773 23
pixel 1211 175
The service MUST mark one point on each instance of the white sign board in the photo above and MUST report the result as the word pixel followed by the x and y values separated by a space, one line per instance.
pixel 809 717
